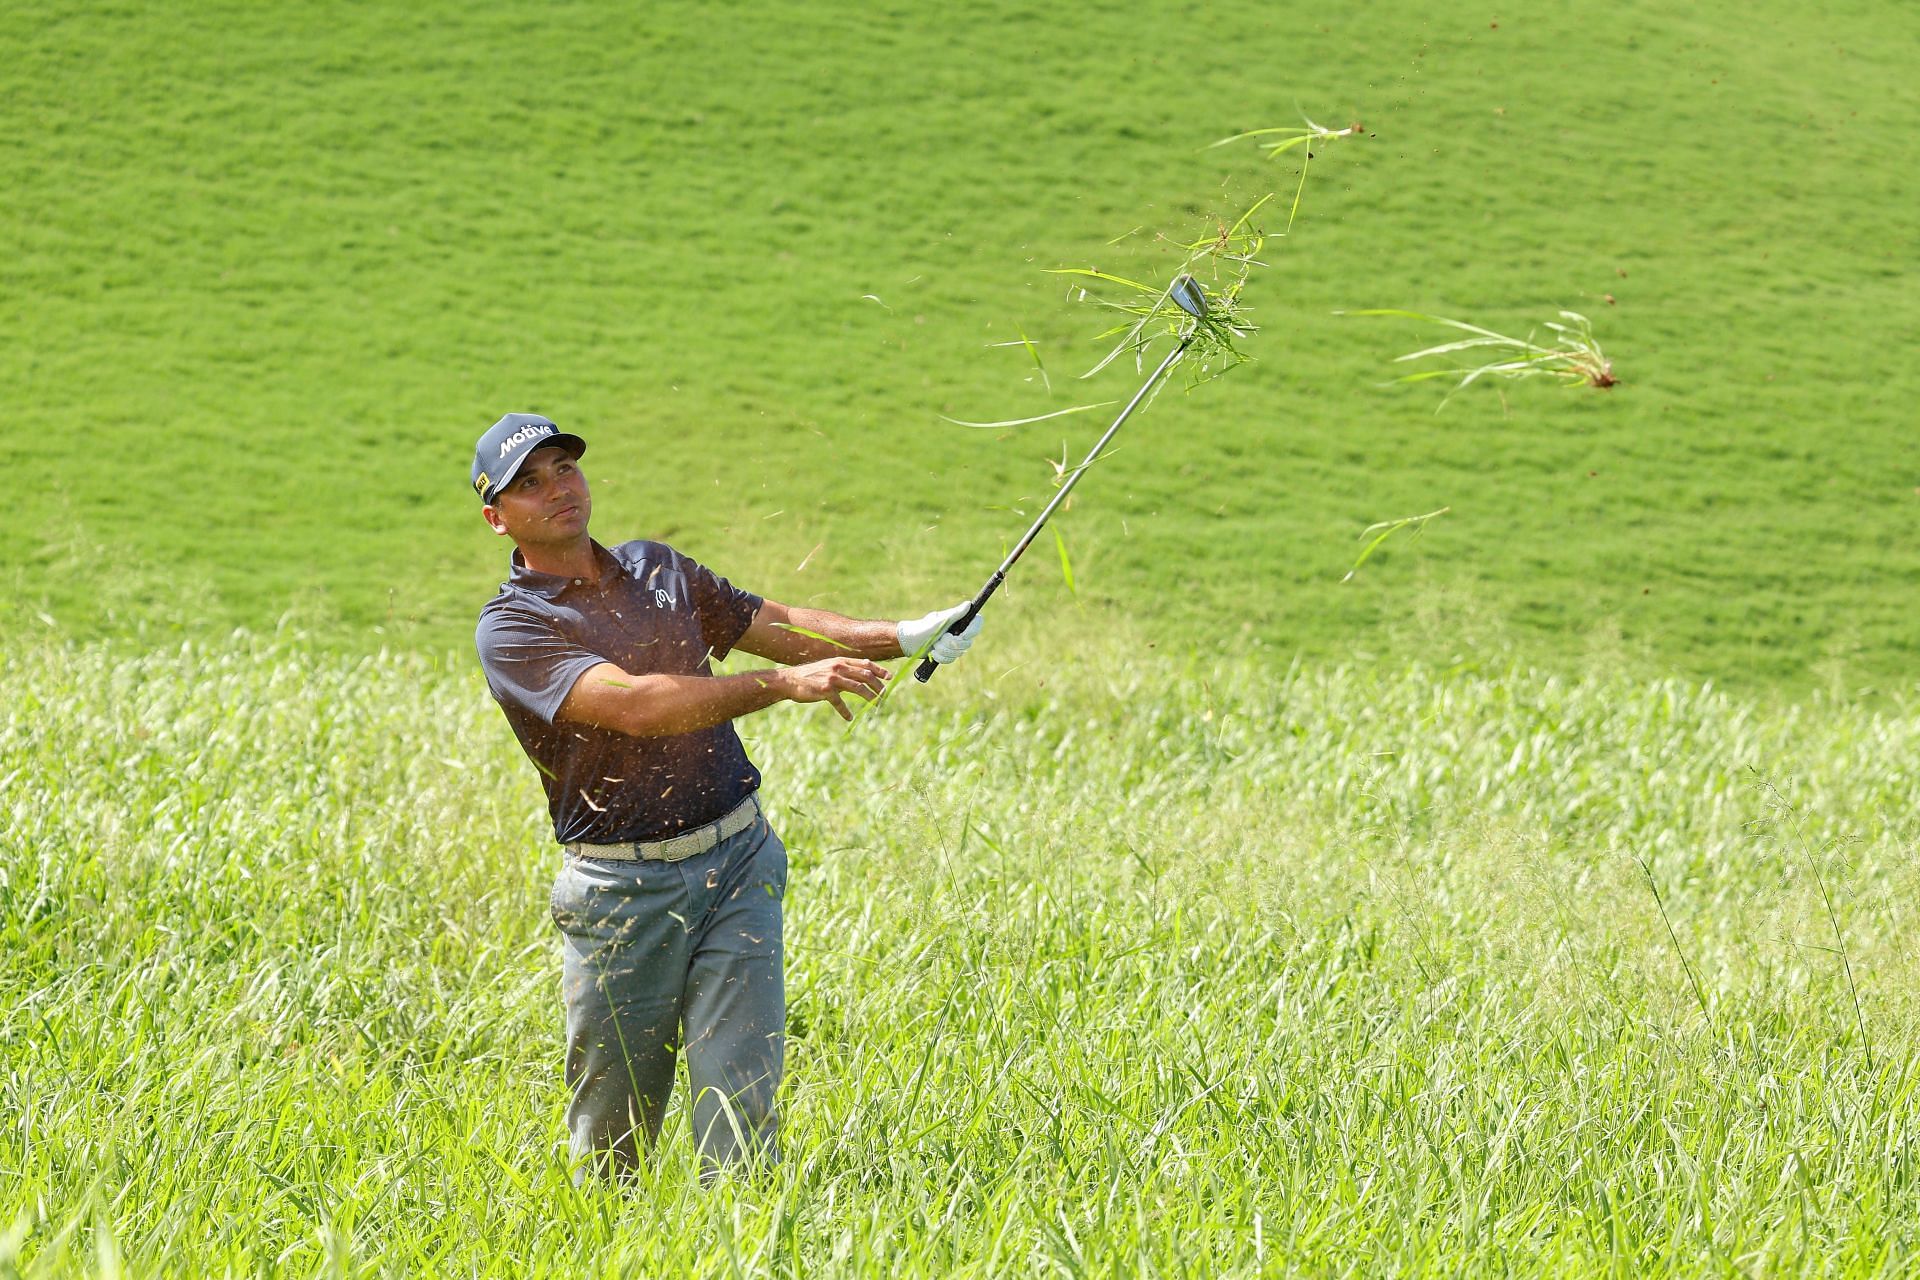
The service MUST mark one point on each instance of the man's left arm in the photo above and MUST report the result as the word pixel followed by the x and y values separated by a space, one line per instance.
pixel 791 635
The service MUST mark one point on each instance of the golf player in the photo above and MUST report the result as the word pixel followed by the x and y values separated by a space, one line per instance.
pixel 669 896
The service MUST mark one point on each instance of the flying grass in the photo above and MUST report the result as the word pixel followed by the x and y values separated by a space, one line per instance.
pixel 1376 534
pixel 1219 260
pixel 1219 263
pixel 811 634
pixel 1573 356
pixel 1021 422
pixel 1206 330
pixel 1280 139
pixel 1033 353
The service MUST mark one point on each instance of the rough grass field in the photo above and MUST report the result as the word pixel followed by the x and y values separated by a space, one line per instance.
pixel 1540 902
pixel 1113 972
pixel 268 271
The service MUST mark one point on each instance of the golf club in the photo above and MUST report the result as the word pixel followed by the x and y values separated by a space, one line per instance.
pixel 1190 298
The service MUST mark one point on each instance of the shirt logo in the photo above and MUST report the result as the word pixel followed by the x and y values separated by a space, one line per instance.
pixel 662 599
pixel 521 436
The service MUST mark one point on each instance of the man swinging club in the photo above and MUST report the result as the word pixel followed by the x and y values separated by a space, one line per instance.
pixel 669 898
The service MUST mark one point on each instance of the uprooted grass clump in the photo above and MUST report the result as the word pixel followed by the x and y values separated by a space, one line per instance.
pixel 1220 263
pixel 1221 260
pixel 1281 139
pixel 1572 356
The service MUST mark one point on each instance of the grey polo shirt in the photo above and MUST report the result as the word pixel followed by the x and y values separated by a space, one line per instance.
pixel 653 610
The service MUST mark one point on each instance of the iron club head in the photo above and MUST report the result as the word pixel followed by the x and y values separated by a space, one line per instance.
pixel 1188 296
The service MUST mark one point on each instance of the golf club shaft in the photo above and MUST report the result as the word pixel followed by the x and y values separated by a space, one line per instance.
pixel 924 672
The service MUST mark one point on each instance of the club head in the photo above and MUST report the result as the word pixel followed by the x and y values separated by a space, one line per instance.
pixel 1188 296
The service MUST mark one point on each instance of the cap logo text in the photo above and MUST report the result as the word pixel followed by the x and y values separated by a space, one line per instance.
pixel 521 436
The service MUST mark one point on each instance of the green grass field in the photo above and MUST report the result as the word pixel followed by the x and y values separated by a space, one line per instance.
pixel 270 272
pixel 1113 973
pixel 1540 902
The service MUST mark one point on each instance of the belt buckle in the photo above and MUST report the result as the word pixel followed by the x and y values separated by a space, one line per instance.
pixel 707 837
pixel 699 840
pixel 671 850
pixel 687 844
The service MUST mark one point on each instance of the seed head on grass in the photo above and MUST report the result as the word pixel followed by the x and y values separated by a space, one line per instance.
pixel 1673 936
pixel 1794 824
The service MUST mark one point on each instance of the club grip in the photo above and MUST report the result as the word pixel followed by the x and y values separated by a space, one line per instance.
pixel 924 672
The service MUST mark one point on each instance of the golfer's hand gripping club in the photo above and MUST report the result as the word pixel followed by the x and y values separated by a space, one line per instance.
pixel 942 635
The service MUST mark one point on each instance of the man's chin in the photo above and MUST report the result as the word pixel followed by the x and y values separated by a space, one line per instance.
pixel 554 533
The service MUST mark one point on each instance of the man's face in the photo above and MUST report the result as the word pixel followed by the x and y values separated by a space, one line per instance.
pixel 545 502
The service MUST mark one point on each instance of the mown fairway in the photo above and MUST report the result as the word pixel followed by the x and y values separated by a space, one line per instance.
pixel 269 272
pixel 1123 975
pixel 1495 912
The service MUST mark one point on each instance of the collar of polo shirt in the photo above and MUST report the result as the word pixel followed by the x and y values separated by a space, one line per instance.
pixel 551 586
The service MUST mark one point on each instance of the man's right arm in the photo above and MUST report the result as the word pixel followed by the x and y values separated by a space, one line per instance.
pixel 656 705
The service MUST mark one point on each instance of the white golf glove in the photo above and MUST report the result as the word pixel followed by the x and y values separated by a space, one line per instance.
pixel 913 635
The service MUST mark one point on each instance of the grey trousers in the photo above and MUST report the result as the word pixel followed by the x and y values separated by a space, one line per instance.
pixel 661 955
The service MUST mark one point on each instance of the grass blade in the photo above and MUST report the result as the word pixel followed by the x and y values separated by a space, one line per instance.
pixel 1021 422
pixel 1379 533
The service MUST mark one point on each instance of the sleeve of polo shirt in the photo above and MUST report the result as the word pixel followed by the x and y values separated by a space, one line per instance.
pixel 724 610
pixel 529 663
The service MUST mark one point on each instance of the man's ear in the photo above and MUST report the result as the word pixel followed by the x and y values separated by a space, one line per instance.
pixel 494 522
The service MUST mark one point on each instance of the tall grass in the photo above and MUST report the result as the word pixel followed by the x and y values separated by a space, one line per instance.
pixel 1165 966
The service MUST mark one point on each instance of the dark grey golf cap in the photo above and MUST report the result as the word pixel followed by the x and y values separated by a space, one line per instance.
pixel 510 442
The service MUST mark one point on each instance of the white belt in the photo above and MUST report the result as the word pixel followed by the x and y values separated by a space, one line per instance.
pixel 688 843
